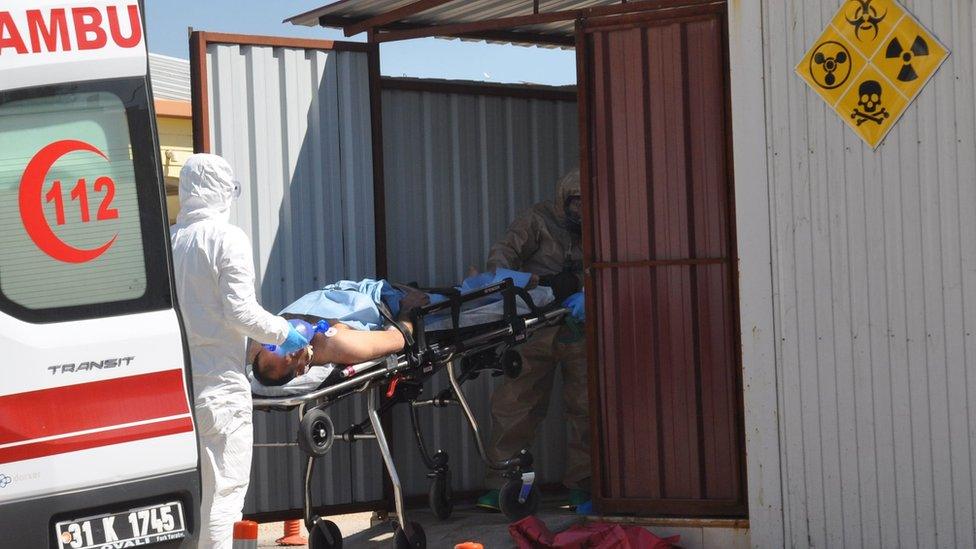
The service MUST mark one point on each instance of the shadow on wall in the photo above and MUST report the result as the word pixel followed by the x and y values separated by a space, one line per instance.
pixel 458 169
pixel 324 229
pixel 298 136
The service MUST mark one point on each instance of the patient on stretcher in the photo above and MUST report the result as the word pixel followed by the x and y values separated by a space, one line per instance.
pixel 360 332
pixel 341 345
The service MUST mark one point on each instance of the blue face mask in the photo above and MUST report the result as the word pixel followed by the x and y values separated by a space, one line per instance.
pixel 304 328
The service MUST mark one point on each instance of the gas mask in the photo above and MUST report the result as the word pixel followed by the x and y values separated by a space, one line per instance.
pixel 572 208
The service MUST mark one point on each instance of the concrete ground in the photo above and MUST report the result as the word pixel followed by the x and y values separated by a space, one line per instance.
pixel 348 524
pixel 467 523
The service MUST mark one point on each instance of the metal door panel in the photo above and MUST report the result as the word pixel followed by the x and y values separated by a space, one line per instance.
pixel 660 259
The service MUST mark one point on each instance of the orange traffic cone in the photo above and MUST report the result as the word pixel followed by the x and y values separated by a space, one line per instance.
pixel 293 534
pixel 245 534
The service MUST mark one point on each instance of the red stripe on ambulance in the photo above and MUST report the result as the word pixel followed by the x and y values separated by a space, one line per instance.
pixel 67 410
pixel 87 441
pixel 50 31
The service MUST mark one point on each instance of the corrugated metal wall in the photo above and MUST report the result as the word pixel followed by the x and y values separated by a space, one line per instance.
pixel 458 168
pixel 874 275
pixel 295 124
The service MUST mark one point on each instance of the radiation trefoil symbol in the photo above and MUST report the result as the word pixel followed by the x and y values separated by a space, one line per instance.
pixel 894 51
pixel 870 63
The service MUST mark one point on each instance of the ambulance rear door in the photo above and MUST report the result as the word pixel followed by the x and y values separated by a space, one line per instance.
pixel 97 441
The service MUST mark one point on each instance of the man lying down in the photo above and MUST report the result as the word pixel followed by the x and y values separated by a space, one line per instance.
pixel 356 328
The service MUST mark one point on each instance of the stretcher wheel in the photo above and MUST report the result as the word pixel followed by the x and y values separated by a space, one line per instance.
pixel 324 534
pixel 512 364
pixel 316 433
pixel 508 500
pixel 440 497
pixel 417 539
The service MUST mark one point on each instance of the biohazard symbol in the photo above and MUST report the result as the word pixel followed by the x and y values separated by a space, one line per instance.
pixel 919 48
pixel 869 108
pixel 865 18
pixel 830 65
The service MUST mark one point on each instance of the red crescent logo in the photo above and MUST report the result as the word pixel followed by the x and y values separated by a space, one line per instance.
pixel 32 204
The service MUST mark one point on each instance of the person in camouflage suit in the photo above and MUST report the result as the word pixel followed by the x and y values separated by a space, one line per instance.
pixel 544 241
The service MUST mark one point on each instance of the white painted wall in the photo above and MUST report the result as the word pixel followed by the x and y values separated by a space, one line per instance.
pixel 860 372
pixel 755 275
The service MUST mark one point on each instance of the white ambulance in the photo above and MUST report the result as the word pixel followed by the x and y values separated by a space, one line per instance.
pixel 97 440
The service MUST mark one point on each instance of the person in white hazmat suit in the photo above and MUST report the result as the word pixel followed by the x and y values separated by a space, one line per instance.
pixel 214 271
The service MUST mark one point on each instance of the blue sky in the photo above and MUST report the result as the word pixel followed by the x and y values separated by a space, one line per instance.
pixel 168 20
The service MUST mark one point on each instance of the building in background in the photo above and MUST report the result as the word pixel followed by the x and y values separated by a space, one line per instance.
pixel 171 91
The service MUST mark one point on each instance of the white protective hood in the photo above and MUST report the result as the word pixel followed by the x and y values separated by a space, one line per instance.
pixel 207 188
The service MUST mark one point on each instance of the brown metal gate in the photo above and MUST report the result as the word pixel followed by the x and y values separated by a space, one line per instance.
pixel 660 257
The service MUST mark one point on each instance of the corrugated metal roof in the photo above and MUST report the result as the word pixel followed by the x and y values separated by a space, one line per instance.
pixel 458 11
pixel 478 87
pixel 170 77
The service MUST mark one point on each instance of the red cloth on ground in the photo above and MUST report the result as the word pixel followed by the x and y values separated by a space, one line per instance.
pixel 532 533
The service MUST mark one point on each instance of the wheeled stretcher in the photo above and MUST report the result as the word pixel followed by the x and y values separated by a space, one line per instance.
pixel 443 338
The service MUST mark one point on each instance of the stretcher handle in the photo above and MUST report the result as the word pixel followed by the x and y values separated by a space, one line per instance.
pixel 421 352
pixel 463 298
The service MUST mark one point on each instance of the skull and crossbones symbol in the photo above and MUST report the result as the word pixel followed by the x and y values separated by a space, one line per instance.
pixel 869 104
pixel 865 18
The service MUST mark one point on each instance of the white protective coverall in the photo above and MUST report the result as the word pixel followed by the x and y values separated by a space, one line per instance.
pixel 214 271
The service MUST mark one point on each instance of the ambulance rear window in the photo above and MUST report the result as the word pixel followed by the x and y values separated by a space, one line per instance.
pixel 78 188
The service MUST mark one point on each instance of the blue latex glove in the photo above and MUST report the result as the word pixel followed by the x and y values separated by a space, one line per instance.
pixel 575 304
pixel 481 280
pixel 294 342
pixel 520 278
pixel 475 282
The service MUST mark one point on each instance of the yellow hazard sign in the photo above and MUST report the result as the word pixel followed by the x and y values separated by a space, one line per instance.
pixel 909 57
pixel 866 23
pixel 830 65
pixel 870 106
pixel 870 63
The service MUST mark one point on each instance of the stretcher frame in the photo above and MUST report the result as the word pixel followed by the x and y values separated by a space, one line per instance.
pixel 464 352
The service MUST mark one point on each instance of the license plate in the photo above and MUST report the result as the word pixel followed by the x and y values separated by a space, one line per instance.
pixel 132 528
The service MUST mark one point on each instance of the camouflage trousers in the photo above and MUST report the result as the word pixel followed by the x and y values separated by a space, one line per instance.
pixel 519 405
